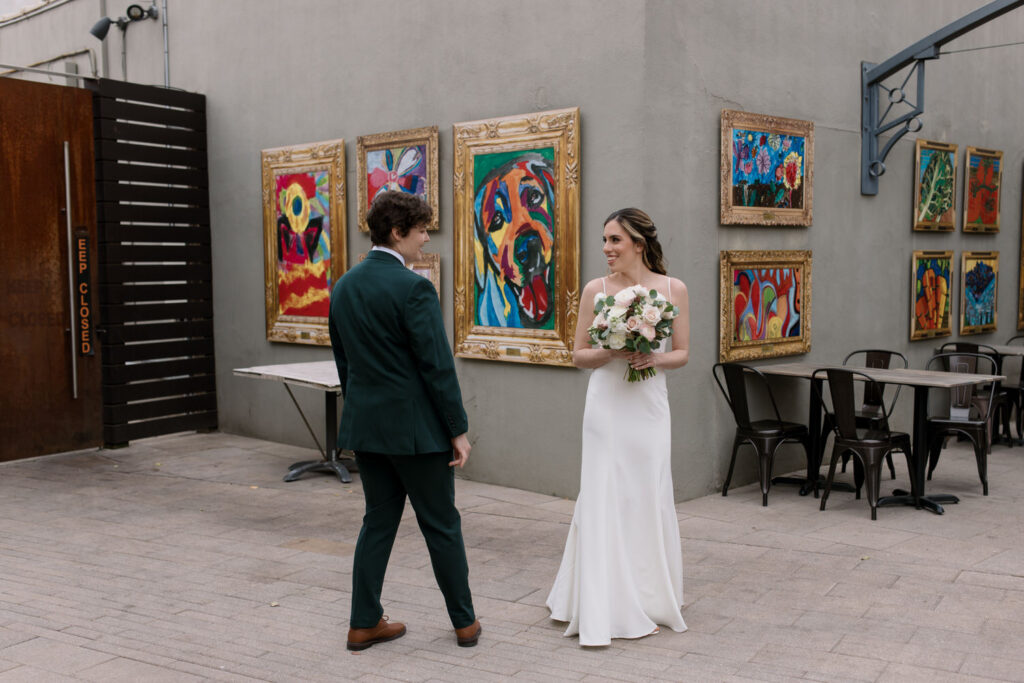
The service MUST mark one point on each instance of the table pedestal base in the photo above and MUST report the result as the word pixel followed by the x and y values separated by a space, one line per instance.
pixel 296 470
pixel 932 502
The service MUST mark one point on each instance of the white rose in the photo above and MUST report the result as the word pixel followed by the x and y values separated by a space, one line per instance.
pixel 624 297
pixel 641 290
pixel 647 331
pixel 599 297
pixel 617 340
pixel 668 313
pixel 601 321
pixel 632 323
pixel 617 311
pixel 651 315
pixel 617 325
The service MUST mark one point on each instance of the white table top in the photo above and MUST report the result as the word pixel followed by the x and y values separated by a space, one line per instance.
pixel 322 374
pixel 908 376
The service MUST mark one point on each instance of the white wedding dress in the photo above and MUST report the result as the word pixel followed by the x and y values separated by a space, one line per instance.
pixel 622 570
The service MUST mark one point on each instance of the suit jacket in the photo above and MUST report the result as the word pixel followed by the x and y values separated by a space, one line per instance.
pixel 396 369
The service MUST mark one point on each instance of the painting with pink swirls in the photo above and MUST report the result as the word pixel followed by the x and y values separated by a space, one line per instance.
pixel 398 168
pixel 766 304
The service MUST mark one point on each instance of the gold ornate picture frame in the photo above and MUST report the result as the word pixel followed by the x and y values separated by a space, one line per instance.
pixel 765 299
pixel 767 169
pixel 403 160
pixel 983 189
pixel 979 292
pixel 931 294
pixel 304 238
pixel 517 203
pixel 934 186
pixel 429 267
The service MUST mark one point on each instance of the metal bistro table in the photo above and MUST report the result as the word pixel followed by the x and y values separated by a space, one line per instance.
pixel 922 381
pixel 321 375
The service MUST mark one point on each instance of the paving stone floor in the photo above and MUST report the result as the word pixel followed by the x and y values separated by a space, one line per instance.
pixel 186 558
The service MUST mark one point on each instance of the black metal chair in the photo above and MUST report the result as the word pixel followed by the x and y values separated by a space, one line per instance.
pixel 765 435
pixel 970 411
pixel 1004 400
pixel 870 445
pixel 1014 388
pixel 871 413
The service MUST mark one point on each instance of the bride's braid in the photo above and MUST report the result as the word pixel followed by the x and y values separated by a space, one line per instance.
pixel 642 230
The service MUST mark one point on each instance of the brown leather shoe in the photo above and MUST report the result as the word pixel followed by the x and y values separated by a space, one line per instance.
pixel 467 637
pixel 362 638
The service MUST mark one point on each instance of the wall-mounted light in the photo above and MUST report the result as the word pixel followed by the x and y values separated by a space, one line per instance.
pixel 133 13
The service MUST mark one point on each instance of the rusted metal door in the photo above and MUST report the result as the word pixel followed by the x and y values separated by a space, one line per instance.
pixel 50 365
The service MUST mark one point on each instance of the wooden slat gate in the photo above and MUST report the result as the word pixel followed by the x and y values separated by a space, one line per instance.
pixel 156 292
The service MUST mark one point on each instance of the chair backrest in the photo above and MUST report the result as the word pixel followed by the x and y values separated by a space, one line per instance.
pixel 973 347
pixel 735 390
pixel 841 391
pixel 962 398
pixel 1016 338
pixel 874 392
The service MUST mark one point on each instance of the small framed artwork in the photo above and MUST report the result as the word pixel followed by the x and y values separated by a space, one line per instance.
pixel 767 169
pixel 983 180
pixel 517 216
pixel 765 299
pixel 979 285
pixel 404 160
pixel 930 301
pixel 429 267
pixel 934 186
pixel 304 238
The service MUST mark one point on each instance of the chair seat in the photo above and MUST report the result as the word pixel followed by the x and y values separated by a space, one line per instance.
pixel 875 437
pixel 950 423
pixel 775 427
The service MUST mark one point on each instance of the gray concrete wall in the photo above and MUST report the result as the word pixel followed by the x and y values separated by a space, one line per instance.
pixel 651 79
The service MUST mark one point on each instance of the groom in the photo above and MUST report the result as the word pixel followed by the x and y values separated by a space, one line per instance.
pixel 402 416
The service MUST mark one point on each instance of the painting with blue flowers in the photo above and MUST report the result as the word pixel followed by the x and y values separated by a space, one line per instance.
pixel 980 287
pixel 767 169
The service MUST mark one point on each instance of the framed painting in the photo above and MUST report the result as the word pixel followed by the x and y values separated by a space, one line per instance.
pixel 429 267
pixel 404 160
pixel 303 238
pixel 983 181
pixel 930 301
pixel 765 299
pixel 767 169
pixel 979 286
pixel 1020 277
pixel 517 212
pixel 934 186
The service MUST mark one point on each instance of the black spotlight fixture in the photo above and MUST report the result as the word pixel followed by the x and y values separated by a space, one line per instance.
pixel 134 13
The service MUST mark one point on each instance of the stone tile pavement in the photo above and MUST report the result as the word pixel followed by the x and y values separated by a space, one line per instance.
pixel 186 558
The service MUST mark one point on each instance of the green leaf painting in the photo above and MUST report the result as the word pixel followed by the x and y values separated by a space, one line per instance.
pixel 937 184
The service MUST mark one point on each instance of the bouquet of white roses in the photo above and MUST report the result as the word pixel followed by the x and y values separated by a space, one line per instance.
pixel 635 319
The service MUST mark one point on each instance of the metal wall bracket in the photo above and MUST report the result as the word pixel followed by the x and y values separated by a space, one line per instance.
pixel 873 119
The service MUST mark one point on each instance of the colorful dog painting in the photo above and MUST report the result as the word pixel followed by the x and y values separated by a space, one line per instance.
pixel 514 239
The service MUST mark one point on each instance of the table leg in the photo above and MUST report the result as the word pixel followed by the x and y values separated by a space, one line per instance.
pixel 330 462
pixel 813 480
pixel 919 464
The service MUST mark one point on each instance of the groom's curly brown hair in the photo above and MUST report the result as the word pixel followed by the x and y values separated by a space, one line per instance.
pixel 395 209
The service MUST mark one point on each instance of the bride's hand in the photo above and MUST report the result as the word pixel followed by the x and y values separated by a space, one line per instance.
pixel 639 361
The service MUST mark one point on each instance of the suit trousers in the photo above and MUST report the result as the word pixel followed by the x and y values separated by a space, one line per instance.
pixel 429 483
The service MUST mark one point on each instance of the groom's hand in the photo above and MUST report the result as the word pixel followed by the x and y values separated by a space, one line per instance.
pixel 460 451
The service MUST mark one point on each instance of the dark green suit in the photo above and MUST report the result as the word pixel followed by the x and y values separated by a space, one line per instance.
pixel 402 407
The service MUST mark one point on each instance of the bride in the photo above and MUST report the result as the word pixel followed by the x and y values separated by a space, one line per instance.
pixel 622 570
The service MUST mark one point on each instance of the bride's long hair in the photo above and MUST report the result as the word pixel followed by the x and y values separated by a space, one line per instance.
pixel 641 229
